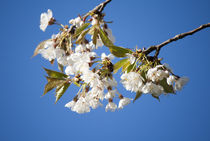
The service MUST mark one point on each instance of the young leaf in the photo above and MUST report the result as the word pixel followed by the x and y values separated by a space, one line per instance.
pixel 131 67
pixel 55 74
pixel 124 68
pixel 81 36
pixel 60 67
pixel 95 36
pixel 80 29
pixel 138 95
pixel 61 90
pixel 40 46
pixel 106 41
pixel 119 51
pixel 52 83
pixel 167 88
pixel 120 64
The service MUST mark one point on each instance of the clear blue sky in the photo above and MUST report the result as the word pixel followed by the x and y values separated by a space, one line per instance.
pixel 26 116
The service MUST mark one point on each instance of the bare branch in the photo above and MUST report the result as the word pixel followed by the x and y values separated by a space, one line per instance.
pixel 98 8
pixel 175 38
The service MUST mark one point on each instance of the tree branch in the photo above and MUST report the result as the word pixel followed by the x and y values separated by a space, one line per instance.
pixel 175 38
pixel 98 9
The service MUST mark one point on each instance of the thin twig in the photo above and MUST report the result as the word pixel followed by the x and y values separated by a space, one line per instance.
pixel 97 9
pixel 175 38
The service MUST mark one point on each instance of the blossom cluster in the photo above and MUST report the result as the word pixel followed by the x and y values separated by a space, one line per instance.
pixel 74 49
pixel 151 84
pixel 78 61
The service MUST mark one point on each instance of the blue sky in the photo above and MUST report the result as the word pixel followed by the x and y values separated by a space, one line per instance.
pixel 26 116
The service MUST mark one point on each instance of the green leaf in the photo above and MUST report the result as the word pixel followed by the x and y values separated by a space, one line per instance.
pixel 119 51
pixel 55 74
pixel 131 67
pixel 52 83
pixel 82 36
pixel 61 90
pixel 167 88
pixel 120 64
pixel 60 67
pixel 40 46
pixel 106 41
pixel 138 95
pixel 80 29
pixel 143 74
pixel 95 36
pixel 124 68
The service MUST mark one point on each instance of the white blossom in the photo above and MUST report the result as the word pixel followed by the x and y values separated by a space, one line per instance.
pixel 81 106
pixel 131 58
pixel 44 19
pixel 104 57
pixel 61 56
pixel 171 79
pixel 97 91
pixel 109 82
pixel 156 74
pixel 132 81
pixel 77 22
pixel 110 94
pixel 91 78
pixel 167 67
pixel 152 88
pixel 93 101
pixel 110 35
pixel 123 102
pixel 111 106
pixel 80 48
pixel 94 21
pixel 180 83
pixel 70 104
pixel 48 52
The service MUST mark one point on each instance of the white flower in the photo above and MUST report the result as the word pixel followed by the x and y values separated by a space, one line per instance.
pixel 109 82
pixel 104 57
pixel 94 21
pixel 61 56
pixel 111 106
pixel 156 74
pixel 180 83
pixel 132 81
pixel 152 88
pixel 70 70
pixel 99 42
pixel 91 78
pixel 70 104
pixel 110 94
pixel 81 106
pixel 93 101
pixel 77 22
pixel 123 102
pixel 82 61
pixel 171 79
pixel 97 91
pixel 90 46
pixel 45 19
pixel 48 52
pixel 167 67
pixel 131 57
pixel 110 36
pixel 80 48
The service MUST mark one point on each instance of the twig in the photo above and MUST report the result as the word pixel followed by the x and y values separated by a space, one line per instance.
pixel 175 38
pixel 97 9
